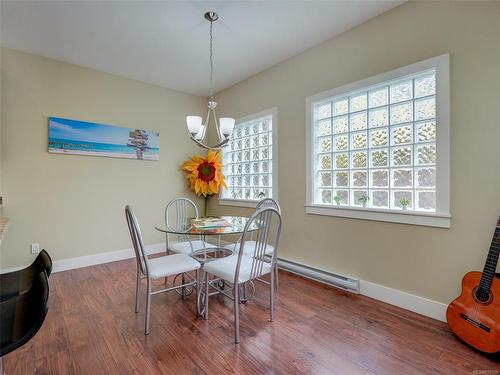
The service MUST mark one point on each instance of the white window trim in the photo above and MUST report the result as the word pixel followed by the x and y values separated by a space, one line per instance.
pixel 273 112
pixel 441 218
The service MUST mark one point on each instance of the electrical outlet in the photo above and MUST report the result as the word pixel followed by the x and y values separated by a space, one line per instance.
pixel 35 248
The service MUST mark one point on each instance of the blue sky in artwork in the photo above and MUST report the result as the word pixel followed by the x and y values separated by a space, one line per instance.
pixel 92 132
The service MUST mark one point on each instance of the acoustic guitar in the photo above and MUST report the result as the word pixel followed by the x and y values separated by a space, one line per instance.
pixel 475 315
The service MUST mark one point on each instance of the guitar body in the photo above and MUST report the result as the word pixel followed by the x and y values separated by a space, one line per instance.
pixel 477 323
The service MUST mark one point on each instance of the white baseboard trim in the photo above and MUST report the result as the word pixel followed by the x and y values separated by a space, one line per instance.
pixel 92 260
pixel 101 258
pixel 417 304
pixel 11 269
pixel 407 301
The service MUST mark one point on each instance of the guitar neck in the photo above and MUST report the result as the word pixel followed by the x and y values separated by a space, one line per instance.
pixel 491 261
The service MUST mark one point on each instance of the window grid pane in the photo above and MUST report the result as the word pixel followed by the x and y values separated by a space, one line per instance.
pixel 378 142
pixel 247 160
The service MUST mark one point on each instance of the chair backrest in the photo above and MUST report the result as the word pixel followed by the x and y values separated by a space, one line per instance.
pixel 268 222
pixel 18 282
pixel 137 242
pixel 22 316
pixel 268 202
pixel 265 203
pixel 177 215
pixel 43 262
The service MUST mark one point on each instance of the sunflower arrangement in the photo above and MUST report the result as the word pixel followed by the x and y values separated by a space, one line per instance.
pixel 204 175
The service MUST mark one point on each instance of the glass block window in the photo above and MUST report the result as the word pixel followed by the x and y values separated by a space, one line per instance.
pixel 248 164
pixel 376 147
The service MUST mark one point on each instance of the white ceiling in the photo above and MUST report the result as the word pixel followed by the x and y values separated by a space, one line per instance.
pixel 166 42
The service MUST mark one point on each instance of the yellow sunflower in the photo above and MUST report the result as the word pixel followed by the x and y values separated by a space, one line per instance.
pixel 204 174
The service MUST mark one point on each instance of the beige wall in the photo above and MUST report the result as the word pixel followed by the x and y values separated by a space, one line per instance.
pixel 429 262
pixel 1 131
pixel 73 205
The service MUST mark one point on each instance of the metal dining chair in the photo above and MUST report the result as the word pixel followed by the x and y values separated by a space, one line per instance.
pixel 243 267
pixel 156 268
pixel 250 245
pixel 177 215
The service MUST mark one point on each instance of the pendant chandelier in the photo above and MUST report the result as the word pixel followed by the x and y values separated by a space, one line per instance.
pixel 196 127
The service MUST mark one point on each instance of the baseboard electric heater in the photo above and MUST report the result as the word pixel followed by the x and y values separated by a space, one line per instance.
pixel 343 282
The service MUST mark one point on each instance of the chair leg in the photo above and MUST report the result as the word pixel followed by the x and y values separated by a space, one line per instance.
pixel 244 293
pixel 183 288
pixel 206 295
pixel 197 284
pixel 276 272
pixel 167 252
pixel 271 298
pixel 148 308
pixel 236 289
pixel 137 292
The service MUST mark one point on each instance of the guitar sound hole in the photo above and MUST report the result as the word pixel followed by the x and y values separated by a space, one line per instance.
pixel 482 295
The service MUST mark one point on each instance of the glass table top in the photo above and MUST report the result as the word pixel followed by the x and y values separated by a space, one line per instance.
pixel 236 225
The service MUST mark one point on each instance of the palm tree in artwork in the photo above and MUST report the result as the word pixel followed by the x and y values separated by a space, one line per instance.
pixel 138 139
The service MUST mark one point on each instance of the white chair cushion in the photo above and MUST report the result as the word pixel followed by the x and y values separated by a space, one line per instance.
pixel 185 246
pixel 168 265
pixel 249 248
pixel 225 268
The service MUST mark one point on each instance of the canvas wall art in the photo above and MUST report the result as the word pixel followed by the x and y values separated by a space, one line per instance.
pixel 88 138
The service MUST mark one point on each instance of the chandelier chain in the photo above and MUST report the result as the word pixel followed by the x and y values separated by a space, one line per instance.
pixel 211 62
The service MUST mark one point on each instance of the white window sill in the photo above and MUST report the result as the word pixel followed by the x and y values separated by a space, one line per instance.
pixel 238 203
pixel 439 220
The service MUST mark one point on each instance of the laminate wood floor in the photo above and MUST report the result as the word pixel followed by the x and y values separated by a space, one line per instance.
pixel 91 328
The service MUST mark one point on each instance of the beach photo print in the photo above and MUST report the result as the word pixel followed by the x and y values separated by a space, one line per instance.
pixel 88 138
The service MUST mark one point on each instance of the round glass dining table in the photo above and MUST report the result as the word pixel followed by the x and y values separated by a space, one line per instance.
pixel 234 225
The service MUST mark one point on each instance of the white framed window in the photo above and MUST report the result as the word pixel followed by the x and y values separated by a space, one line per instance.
pixel 379 148
pixel 250 160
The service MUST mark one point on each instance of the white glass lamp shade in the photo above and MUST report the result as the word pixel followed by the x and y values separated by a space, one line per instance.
pixel 194 124
pixel 226 126
pixel 201 133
